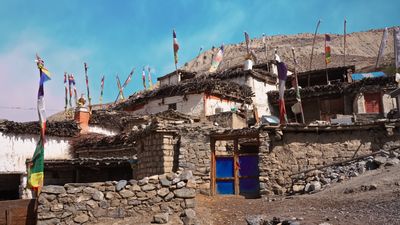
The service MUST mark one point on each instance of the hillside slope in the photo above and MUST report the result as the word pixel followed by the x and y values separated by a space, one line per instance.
pixel 361 50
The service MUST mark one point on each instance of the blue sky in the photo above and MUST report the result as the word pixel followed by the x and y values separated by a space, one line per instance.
pixel 115 36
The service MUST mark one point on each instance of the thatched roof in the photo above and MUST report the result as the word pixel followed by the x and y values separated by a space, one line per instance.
pixel 335 89
pixel 224 89
pixel 57 129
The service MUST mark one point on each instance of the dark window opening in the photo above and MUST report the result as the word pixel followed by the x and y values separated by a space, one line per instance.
pixel 9 186
pixel 172 106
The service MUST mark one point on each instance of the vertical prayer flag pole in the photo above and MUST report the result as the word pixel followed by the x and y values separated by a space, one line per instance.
pixel 344 43
pixel 381 47
pixel 298 96
pixel 36 165
pixel 70 89
pixel 87 87
pixel 149 77
pixel 176 48
pixel 101 90
pixel 144 78
pixel 265 46
pixel 312 50
pixel 327 55
pixel 120 93
pixel 396 39
pixel 66 92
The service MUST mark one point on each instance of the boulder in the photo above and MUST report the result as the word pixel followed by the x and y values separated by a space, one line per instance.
pixel 53 189
pixel 186 175
pixel 148 187
pixel 161 218
pixel 163 192
pixel 185 193
pixel 81 218
pixel 120 185
pixel 98 195
pixel 126 193
pixel 189 217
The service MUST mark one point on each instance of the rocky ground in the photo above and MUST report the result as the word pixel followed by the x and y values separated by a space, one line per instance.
pixel 371 198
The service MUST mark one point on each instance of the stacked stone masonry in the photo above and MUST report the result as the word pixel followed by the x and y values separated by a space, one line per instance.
pixel 293 152
pixel 78 203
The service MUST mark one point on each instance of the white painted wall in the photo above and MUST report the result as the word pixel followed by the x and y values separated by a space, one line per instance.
pixel 389 103
pixel 215 105
pixel 260 89
pixel 359 103
pixel 193 105
pixel 14 150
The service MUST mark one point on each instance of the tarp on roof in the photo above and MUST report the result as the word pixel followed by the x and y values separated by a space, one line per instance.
pixel 360 76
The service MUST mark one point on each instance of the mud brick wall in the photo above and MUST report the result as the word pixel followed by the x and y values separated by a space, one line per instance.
pixel 195 155
pixel 79 203
pixel 155 154
pixel 279 157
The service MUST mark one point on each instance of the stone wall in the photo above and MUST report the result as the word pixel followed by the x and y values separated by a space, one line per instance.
pixel 78 203
pixel 282 155
pixel 195 154
pixel 155 154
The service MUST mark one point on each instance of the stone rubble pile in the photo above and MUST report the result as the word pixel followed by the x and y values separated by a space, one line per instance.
pixel 316 180
pixel 159 196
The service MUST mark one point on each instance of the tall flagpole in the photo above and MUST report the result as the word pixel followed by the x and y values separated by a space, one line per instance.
pixel 298 96
pixel 326 65
pixel 87 86
pixel 344 43
pixel 175 46
pixel 312 50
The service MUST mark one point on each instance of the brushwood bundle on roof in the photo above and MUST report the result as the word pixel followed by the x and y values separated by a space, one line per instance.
pixel 259 71
pixel 223 89
pixel 338 89
pixel 58 129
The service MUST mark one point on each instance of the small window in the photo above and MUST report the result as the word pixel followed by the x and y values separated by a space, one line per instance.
pixel 172 106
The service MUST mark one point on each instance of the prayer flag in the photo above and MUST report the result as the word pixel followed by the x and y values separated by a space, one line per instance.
pixel 175 46
pixel 149 77
pixel 327 49
pixel 121 93
pixel 144 78
pixel 282 75
pixel 396 34
pixel 66 90
pixel 101 89
pixel 217 60
pixel 247 39
pixel 128 79
pixel 36 168
pixel 382 46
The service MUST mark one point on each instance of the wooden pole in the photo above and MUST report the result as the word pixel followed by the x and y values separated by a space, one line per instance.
pixel 297 86
pixel 344 43
pixel 326 66
pixel 87 87
pixel 312 49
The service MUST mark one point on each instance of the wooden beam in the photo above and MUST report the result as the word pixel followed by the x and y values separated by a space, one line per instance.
pixel 213 167
pixel 235 165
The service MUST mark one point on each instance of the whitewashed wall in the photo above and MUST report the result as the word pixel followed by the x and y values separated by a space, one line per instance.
pixel 14 150
pixel 389 103
pixel 192 105
pixel 101 130
pixel 260 89
pixel 215 105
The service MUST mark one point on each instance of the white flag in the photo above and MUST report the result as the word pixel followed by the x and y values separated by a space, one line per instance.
pixel 382 46
pixel 396 34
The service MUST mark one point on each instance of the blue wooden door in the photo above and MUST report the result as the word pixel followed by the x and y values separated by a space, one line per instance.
pixel 225 180
pixel 249 184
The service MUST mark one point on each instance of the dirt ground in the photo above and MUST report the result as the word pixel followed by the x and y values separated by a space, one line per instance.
pixel 334 205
